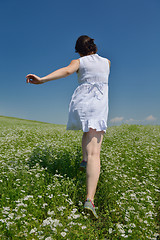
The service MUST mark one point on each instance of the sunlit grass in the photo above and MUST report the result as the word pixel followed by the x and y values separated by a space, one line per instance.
pixel 42 191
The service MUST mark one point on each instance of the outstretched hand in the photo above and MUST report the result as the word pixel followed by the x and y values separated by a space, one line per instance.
pixel 32 78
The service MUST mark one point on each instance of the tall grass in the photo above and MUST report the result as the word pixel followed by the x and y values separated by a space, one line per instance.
pixel 42 191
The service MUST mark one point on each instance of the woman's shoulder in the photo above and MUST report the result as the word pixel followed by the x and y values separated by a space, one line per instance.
pixel 109 62
pixel 106 59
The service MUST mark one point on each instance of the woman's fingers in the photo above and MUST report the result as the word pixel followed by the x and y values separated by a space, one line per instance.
pixel 32 78
pixel 31 75
pixel 27 80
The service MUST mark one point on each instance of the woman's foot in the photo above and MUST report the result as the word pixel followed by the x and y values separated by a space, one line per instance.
pixel 83 165
pixel 90 208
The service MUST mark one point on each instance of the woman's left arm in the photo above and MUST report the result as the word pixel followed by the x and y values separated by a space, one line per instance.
pixel 60 73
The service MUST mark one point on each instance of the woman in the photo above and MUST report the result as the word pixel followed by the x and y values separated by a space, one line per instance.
pixel 88 109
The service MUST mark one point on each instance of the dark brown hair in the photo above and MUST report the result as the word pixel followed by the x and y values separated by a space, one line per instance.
pixel 85 45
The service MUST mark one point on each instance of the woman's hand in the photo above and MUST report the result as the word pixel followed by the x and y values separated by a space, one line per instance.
pixel 32 78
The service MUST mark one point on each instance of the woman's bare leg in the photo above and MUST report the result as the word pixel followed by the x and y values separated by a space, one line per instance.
pixel 91 146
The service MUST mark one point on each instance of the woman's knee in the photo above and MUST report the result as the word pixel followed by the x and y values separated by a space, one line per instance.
pixel 93 152
pixel 98 135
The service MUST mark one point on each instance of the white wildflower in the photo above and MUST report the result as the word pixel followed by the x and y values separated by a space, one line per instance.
pixel 133 195
pixel 61 208
pixel 72 223
pixel 6 208
pixel 11 215
pixel 54 229
pixel 75 216
pixel 33 230
pixel 63 234
pixel 121 230
pixel 74 210
pixel 126 219
pixel 119 225
pixel 56 222
pixel 48 238
pixel 44 205
pixel 2 220
pixel 125 236
pixel 50 212
pixel 40 232
pixel 50 196
pixel 83 227
pixel 80 203
pixel 131 208
pixel 132 225
pixel 21 204
pixel 9 223
pixel 146 222
pixel 27 197
pixel 69 201
pixel 48 221
pixel 150 214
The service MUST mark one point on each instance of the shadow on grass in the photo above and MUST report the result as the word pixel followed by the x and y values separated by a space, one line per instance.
pixel 61 161
pixel 64 162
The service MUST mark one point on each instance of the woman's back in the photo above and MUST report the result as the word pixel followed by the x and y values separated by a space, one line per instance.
pixel 93 68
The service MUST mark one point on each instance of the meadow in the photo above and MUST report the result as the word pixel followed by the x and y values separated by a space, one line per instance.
pixel 42 191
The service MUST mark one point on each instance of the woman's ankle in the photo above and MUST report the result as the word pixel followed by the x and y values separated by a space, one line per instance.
pixel 92 200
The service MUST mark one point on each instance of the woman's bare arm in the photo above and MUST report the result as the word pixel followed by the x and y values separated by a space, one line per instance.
pixel 60 73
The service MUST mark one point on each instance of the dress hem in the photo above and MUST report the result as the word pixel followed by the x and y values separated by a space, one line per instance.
pixel 98 125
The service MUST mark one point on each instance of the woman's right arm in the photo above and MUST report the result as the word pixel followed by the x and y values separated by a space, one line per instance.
pixel 60 73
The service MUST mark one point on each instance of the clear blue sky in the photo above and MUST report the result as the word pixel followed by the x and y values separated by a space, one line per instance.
pixel 39 36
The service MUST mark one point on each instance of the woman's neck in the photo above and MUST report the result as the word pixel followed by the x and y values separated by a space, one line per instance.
pixel 81 55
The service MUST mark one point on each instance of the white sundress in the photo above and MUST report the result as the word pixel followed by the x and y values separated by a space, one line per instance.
pixel 89 104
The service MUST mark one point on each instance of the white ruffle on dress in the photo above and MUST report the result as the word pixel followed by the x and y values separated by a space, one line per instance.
pixel 89 104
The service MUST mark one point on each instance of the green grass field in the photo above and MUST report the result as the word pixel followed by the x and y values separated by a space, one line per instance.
pixel 42 191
